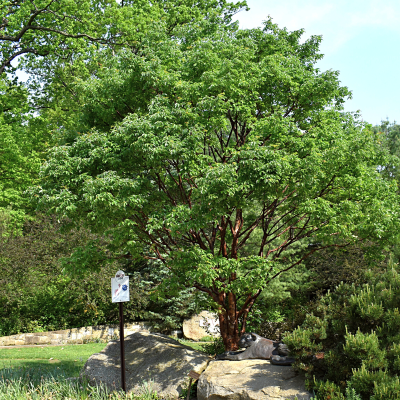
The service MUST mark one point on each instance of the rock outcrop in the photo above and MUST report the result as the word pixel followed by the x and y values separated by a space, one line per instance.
pixel 250 380
pixel 200 325
pixel 154 360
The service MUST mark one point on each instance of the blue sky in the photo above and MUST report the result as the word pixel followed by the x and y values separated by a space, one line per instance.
pixel 361 39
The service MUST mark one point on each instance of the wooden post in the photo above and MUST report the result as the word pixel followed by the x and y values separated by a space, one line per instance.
pixel 190 386
pixel 193 375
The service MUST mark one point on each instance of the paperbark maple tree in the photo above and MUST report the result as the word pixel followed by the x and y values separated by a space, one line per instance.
pixel 234 149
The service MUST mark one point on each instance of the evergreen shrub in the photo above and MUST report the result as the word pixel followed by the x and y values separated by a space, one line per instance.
pixel 353 337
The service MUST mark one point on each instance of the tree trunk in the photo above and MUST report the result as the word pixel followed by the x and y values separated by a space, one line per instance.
pixel 229 318
pixel 229 324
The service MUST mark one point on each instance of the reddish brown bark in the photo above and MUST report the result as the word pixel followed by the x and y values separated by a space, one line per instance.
pixel 229 324
pixel 233 322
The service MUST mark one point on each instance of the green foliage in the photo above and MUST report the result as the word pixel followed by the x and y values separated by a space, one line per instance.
pixel 329 391
pixel 59 43
pixel 62 29
pixel 351 393
pixel 36 294
pixel 364 349
pixel 231 151
pixel 389 138
pixel 165 307
pixel 389 389
pixel 281 307
pixel 216 346
pixel 353 337
pixel 332 266
pixel 20 153
pixel 388 134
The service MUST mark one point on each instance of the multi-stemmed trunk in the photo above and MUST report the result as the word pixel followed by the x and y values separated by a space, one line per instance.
pixel 229 324
pixel 232 322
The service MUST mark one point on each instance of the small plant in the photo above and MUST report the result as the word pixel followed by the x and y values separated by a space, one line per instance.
pixel 147 391
pixel 216 346
pixel 207 339
pixel 351 393
pixel 193 391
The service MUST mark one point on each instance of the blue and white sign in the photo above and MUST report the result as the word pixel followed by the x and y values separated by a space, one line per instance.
pixel 120 288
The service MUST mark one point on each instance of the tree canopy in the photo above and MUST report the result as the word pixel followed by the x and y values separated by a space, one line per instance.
pixel 61 29
pixel 216 151
pixel 59 42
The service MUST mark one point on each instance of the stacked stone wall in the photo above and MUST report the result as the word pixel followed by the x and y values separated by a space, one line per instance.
pixel 103 333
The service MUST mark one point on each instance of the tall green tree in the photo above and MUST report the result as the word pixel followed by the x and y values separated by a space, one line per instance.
pixel 60 42
pixel 61 29
pixel 388 134
pixel 232 151
pixel 21 147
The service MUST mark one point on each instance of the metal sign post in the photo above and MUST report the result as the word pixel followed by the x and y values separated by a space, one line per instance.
pixel 120 294
pixel 121 340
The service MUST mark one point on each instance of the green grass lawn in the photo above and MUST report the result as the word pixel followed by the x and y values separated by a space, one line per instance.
pixel 68 359
pixel 209 347
pixel 43 373
pixel 199 346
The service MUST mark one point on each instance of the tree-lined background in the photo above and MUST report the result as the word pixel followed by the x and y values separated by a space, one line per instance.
pixel 214 165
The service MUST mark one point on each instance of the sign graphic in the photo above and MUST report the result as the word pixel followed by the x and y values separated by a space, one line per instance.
pixel 120 288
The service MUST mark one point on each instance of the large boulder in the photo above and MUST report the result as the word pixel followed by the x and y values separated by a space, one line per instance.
pixel 161 362
pixel 250 380
pixel 200 325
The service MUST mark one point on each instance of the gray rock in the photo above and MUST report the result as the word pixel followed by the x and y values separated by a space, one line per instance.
pixel 200 325
pixel 151 360
pixel 250 380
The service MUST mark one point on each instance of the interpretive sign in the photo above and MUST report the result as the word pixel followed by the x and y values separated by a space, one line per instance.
pixel 120 288
pixel 194 375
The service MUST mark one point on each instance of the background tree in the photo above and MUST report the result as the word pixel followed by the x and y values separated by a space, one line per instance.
pixel 22 144
pixel 238 153
pixel 60 42
pixel 388 134
pixel 61 29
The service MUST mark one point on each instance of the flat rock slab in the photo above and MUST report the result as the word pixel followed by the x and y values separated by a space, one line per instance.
pixel 250 380
pixel 161 362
